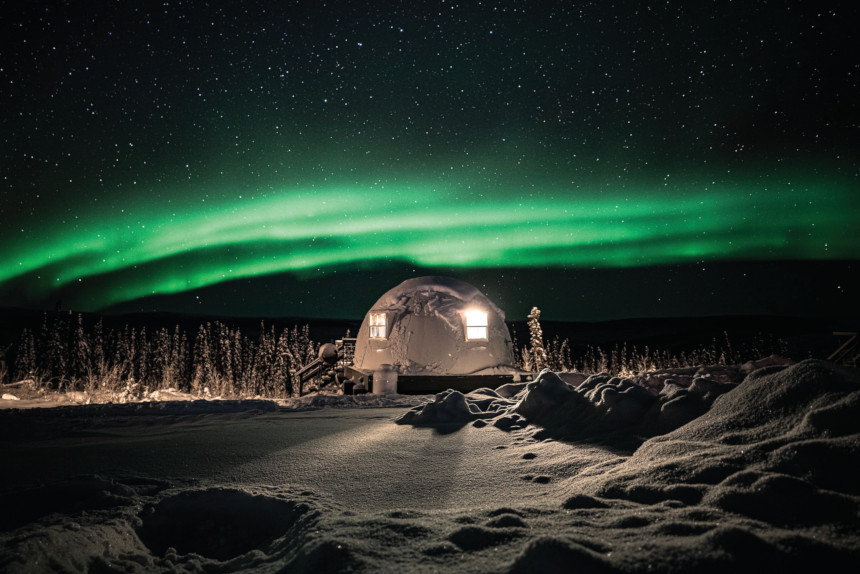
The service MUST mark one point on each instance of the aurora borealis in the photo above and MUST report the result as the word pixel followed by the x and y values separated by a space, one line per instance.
pixel 197 153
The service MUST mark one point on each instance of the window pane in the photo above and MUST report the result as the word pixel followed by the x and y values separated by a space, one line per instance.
pixel 377 326
pixel 476 319
pixel 476 333
pixel 476 325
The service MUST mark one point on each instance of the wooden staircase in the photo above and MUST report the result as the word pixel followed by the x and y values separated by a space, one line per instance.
pixel 317 368
pixel 848 353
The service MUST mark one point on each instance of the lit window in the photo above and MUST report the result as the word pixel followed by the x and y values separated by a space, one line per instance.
pixel 377 326
pixel 476 325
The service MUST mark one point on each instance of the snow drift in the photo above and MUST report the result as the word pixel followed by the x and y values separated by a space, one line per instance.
pixel 599 404
pixel 758 475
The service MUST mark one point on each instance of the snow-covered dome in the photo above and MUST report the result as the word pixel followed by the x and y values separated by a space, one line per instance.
pixel 434 326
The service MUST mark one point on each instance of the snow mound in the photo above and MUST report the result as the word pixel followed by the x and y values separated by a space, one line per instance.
pixel 599 404
pixel 548 555
pixel 774 449
pixel 452 406
pixel 447 407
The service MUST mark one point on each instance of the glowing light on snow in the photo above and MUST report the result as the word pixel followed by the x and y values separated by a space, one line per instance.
pixel 156 249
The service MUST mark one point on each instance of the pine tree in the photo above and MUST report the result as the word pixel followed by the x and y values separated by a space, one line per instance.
pixel 142 358
pixel 179 359
pixel 525 360
pixel 5 369
pixel 224 354
pixel 558 354
pixel 249 370
pixel 160 359
pixel 42 366
pixel 515 349
pixel 286 363
pixel 202 362
pixel 124 349
pixel 566 361
pixel 537 350
pixel 553 357
pixel 58 363
pixel 97 352
pixel 238 359
pixel 81 355
pixel 265 361
pixel 25 359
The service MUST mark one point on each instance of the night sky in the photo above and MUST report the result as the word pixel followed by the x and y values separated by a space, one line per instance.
pixel 599 160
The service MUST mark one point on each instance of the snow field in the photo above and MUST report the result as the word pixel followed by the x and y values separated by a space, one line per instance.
pixel 757 476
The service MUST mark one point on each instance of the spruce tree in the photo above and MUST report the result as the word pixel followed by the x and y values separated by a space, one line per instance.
pixel 25 358
pixel 225 359
pixel 286 363
pixel 238 360
pixel 181 359
pixel 42 366
pixel 97 351
pixel 515 348
pixel 142 358
pixel 202 363
pixel 537 350
pixel 249 369
pixel 266 354
pixel 80 355
pixel 58 363
pixel 160 359
pixel 566 361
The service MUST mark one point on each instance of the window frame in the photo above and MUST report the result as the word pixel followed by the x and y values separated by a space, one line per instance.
pixel 471 325
pixel 375 325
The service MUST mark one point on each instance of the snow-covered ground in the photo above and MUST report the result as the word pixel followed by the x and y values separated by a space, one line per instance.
pixel 758 475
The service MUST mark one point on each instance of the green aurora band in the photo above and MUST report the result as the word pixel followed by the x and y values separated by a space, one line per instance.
pixel 162 250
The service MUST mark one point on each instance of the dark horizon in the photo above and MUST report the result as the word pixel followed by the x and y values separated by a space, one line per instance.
pixel 801 337
pixel 795 288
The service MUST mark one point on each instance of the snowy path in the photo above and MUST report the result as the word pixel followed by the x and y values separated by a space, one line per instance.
pixel 360 458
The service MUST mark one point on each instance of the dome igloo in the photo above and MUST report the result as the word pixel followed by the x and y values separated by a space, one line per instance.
pixel 434 326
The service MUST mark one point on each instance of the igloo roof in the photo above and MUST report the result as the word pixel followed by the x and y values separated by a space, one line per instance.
pixel 434 289
pixel 425 330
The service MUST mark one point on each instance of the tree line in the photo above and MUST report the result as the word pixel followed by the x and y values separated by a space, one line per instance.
pixel 623 360
pixel 65 354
